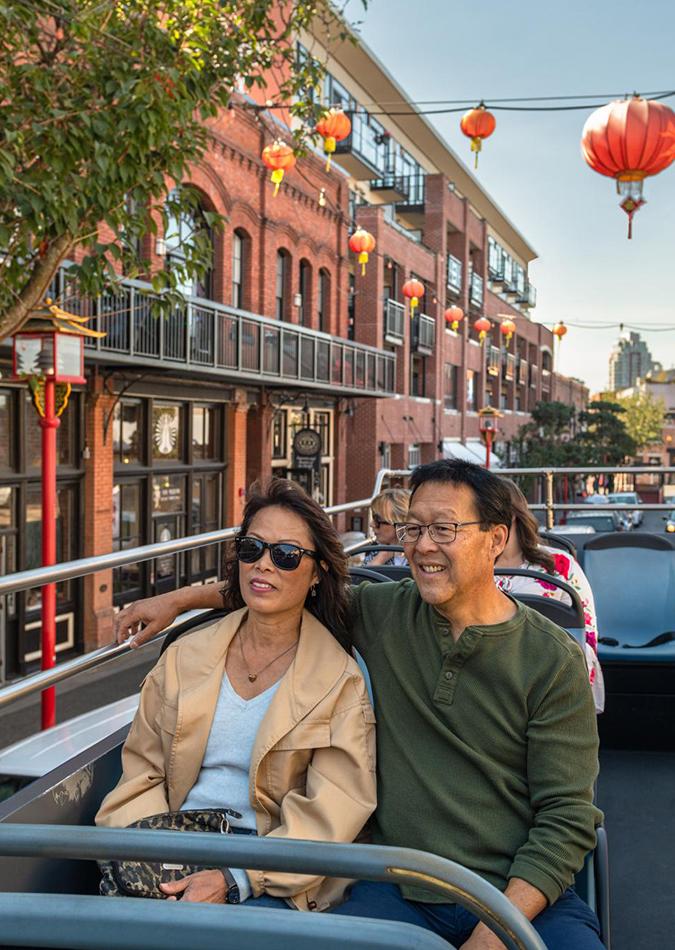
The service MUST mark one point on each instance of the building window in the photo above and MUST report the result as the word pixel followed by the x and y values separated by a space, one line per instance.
pixel 385 453
pixel 240 262
pixel 127 533
pixel 7 430
pixel 205 426
pixel 180 236
pixel 351 306
pixel 450 386
pixel 279 435
pixel 282 288
pixel 128 434
pixel 167 432
pixel 66 435
pixel 323 301
pixel 417 375
pixel 305 285
pixel 414 456
pixel 471 390
pixel 205 516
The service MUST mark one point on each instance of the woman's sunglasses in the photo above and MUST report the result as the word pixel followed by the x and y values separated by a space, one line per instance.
pixel 285 556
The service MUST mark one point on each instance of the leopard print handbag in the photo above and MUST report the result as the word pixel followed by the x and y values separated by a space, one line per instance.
pixel 142 878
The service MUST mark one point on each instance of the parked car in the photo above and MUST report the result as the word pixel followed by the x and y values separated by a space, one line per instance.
pixel 670 522
pixel 596 500
pixel 600 521
pixel 628 498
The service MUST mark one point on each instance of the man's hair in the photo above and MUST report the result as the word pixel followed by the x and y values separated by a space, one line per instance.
pixel 493 499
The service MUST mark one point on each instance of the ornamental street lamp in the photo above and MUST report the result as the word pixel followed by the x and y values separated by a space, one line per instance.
pixel 48 354
pixel 487 423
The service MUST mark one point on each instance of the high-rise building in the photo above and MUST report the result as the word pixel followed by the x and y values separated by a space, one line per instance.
pixel 629 359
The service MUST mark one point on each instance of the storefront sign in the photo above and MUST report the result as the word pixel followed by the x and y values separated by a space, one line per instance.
pixel 307 443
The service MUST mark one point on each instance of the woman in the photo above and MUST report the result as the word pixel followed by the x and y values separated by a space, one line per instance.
pixel 264 712
pixel 388 508
pixel 523 550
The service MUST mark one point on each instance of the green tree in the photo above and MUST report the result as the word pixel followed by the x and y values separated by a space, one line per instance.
pixel 103 104
pixel 544 442
pixel 644 417
pixel 603 439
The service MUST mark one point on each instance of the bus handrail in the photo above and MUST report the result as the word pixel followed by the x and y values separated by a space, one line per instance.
pixel 373 862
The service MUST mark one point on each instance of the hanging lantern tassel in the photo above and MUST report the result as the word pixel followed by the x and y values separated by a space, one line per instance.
pixel 631 206
pixel 363 260
pixel 277 177
pixel 329 146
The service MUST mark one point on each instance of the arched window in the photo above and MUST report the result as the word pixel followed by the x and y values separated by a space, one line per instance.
pixel 182 230
pixel 282 284
pixel 240 268
pixel 323 300
pixel 304 313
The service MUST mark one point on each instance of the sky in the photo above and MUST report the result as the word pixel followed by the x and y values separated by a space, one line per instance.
pixel 587 271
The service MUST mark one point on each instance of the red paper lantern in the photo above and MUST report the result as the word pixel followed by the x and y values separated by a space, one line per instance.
pixel 413 289
pixel 507 328
pixel 362 243
pixel 629 140
pixel 478 124
pixel 453 316
pixel 279 157
pixel 482 326
pixel 333 126
pixel 559 331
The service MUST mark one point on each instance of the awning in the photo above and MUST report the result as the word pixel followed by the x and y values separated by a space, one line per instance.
pixel 472 451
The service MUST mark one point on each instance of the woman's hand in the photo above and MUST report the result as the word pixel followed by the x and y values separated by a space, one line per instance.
pixel 204 887
pixel 144 619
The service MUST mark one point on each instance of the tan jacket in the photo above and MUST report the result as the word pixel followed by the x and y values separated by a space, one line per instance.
pixel 312 772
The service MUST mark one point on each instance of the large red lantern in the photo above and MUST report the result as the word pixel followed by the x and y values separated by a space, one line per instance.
pixel 559 331
pixel 454 316
pixel 413 289
pixel 629 140
pixel 362 243
pixel 333 126
pixel 478 124
pixel 482 326
pixel 507 328
pixel 279 157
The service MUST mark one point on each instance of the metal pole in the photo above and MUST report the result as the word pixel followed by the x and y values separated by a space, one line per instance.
pixel 49 423
pixel 488 448
pixel 550 514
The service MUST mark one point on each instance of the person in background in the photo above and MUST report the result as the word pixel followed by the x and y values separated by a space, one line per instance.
pixel 524 550
pixel 263 712
pixel 389 508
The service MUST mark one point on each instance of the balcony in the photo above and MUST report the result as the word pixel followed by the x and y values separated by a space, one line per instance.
pixel 209 338
pixel 394 322
pixel 510 366
pixel 476 292
pixel 424 334
pixel 411 208
pixel 361 154
pixel 534 375
pixel 454 274
pixel 522 372
pixel 493 361
pixel 390 189
pixel 530 296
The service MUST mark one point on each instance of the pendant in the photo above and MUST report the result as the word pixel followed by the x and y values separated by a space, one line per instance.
pixel 252 677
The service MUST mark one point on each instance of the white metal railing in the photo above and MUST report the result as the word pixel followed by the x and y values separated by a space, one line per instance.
pixel 454 273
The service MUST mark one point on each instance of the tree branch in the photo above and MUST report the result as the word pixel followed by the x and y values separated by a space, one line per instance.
pixel 34 291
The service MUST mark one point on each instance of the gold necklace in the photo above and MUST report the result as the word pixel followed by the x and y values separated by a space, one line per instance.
pixel 252 677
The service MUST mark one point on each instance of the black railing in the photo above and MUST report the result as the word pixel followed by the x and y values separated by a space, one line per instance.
pixel 454 273
pixel 476 291
pixel 424 334
pixel 394 322
pixel 205 335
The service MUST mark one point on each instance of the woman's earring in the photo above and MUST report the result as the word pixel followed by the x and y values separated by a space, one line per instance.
pixel 313 594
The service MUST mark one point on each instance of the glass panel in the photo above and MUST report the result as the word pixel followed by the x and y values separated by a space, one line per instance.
pixel 322 425
pixel 336 365
pixel 65 527
pixel 290 355
pixel 167 432
pixel 279 435
pixel 127 533
pixel 204 433
pixel 323 360
pixel 7 432
pixel 128 432
pixel 250 345
pixel 196 523
pixel 307 358
pixel 168 494
pixel 270 351
pixel 68 355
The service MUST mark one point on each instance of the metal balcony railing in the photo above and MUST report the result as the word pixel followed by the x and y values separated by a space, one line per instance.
pixel 424 334
pixel 394 322
pixel 510 366
pixel 493 360
pixel 522 372
pixel 531 296
pixel 476 291
pixel 205 336
pixel 454 273
pixel 415 191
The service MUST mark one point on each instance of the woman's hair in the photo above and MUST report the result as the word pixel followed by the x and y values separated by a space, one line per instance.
pixel 331 604
pixel 391 504
pixel 527 528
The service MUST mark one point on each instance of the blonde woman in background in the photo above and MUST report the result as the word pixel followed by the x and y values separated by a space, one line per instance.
pixel 388 508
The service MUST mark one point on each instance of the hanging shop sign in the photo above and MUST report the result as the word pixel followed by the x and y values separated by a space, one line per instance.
pixel 307 448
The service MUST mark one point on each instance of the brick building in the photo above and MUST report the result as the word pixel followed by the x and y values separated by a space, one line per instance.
pixel 182 412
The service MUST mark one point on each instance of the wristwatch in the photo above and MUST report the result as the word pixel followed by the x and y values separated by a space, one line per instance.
pixel 231 887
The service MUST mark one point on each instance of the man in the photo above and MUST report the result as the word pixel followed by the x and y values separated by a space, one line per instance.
pixel 487 738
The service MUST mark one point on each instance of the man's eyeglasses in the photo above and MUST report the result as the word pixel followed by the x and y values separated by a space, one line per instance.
pixel 285 556
pixel 440 533
pixel 378 522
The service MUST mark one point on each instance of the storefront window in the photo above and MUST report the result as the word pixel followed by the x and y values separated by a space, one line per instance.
pixel 204 515
pixel 65 434
pixel 322 425
pixel 66 528
pixel 204 433
pixel 128 432
pixel 7 433
pixel 167 432
pixel 7 532
pixel 279 435
pixel 168 494
pixel 127 533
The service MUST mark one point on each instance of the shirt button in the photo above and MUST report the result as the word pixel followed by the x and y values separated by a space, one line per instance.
pixel 448 675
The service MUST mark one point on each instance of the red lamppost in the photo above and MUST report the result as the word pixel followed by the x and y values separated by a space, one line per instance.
pixel 487 423
pixel 48 353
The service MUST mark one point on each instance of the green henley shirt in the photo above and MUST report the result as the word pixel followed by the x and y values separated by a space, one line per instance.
pixel 487 747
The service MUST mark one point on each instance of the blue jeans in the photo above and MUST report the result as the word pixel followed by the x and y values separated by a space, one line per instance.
pixel 567 924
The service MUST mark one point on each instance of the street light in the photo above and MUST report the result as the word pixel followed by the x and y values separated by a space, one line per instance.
pixel 48 354
pixel 487 423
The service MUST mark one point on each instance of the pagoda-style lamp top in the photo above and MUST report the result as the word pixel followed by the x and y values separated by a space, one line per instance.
pixel 51 343
pixel 487 419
